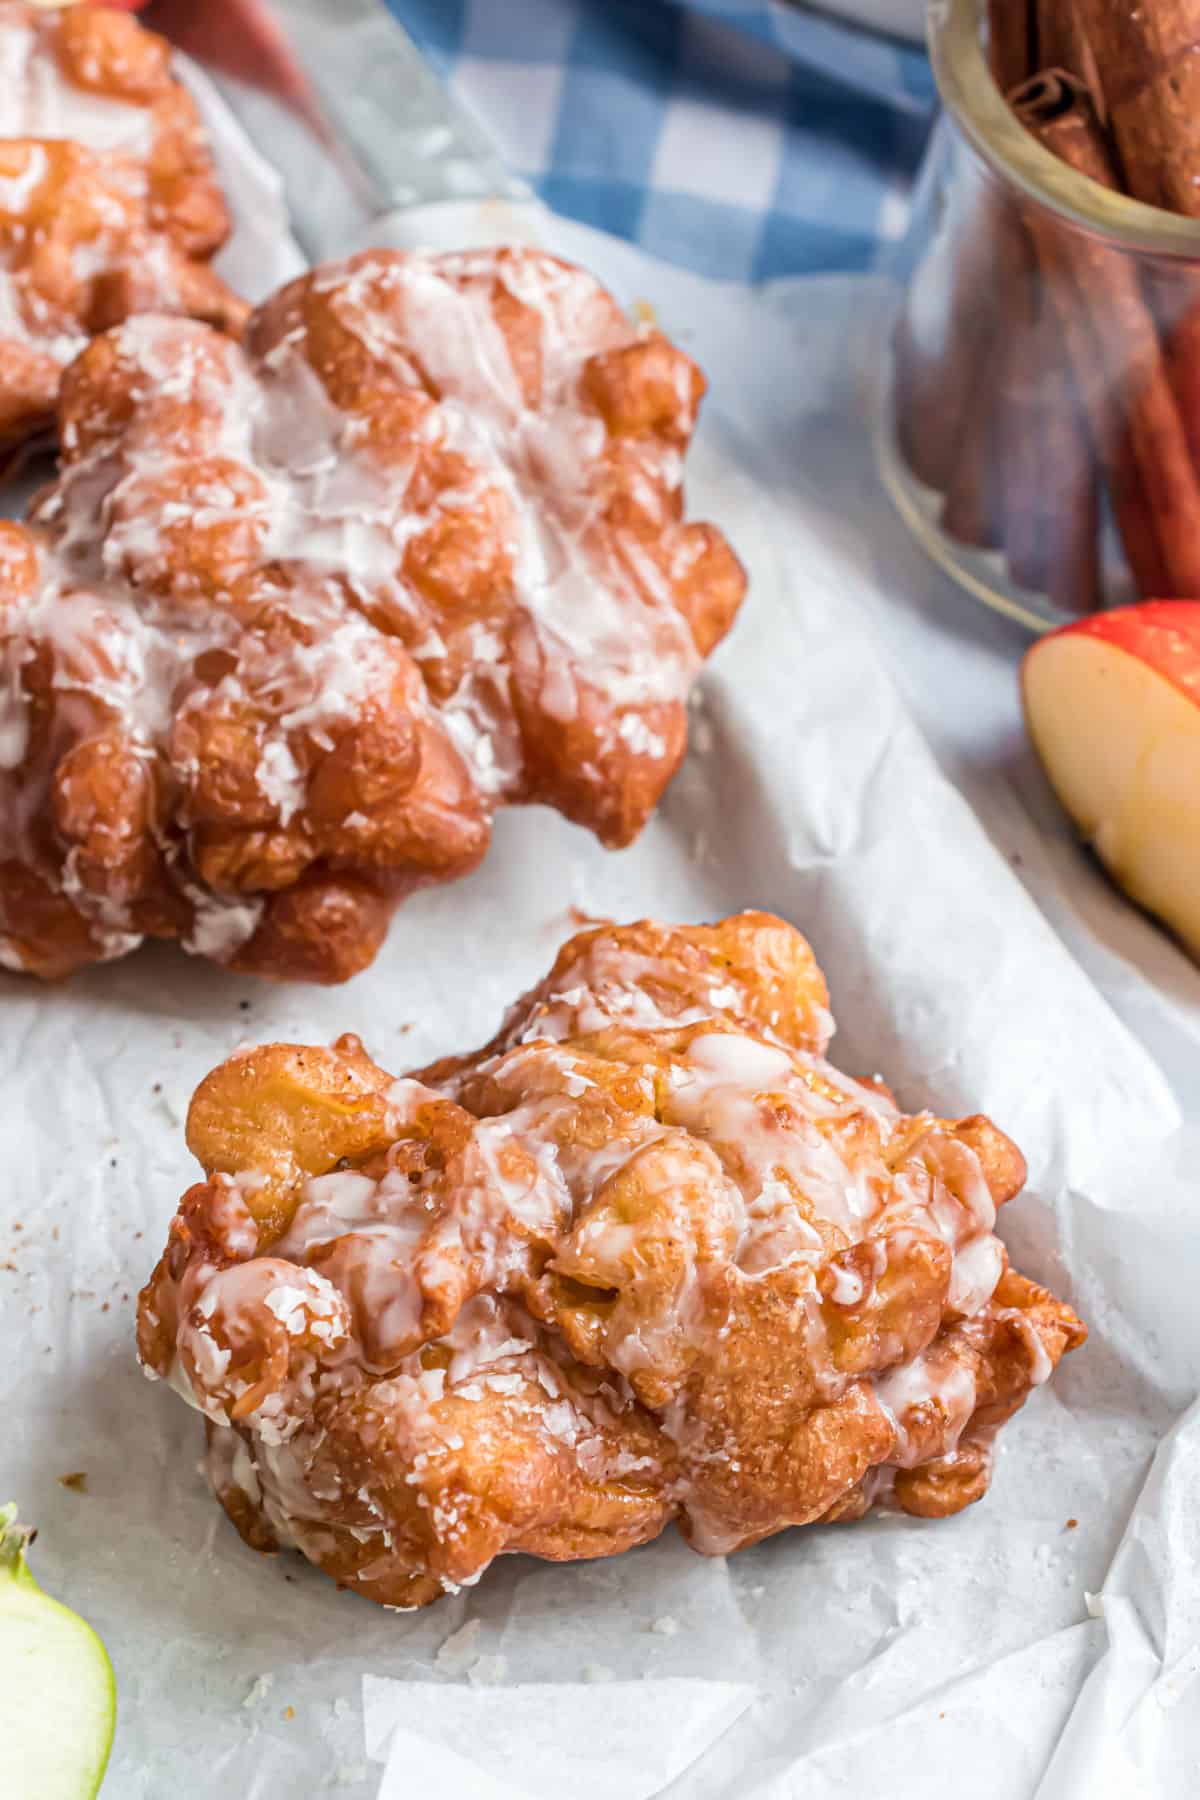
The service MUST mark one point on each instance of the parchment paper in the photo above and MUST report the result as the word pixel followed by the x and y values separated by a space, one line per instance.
pixel 1044 1643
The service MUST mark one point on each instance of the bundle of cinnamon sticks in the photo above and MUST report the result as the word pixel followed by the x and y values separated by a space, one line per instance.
pixel 1045 379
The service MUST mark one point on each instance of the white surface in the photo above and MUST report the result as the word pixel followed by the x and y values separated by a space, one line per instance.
pixel 540 1741
pixel 959 1658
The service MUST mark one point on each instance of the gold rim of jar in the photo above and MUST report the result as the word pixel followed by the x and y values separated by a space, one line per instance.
pixel 954 30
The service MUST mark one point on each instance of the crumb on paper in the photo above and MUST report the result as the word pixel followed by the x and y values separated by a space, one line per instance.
pixel 76 1481
pixel 458 1652
pixel 260 1687
pixel 597 1672
pixel 1072 1524
pixel 289 1712
pixel 488 1671
pixel 665 1626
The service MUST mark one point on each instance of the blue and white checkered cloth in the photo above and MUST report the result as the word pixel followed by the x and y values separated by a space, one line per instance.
pixel 742 138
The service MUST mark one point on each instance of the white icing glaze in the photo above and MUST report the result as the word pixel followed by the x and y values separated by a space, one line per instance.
pixel 38 101
pixel 579 606
pixel 930 1380
pixel 1040 1366
pixel 758 1160
pixel 39 108
pixel 219 927
pixel 580 603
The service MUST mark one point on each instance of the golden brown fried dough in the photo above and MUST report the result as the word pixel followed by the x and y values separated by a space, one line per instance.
pixel 109 204
pixel 647 1256
pixel 297 618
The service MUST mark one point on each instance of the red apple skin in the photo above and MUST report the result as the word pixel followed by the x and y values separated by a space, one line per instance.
pixel 1147 831
pixel 1164 634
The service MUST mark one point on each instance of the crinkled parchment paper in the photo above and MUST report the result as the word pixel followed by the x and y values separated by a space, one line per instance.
pixel 1044 1642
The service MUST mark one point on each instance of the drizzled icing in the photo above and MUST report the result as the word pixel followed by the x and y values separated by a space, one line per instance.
pixel 108 200
pixel 39 100
pixel 417 552
pixel 680 1267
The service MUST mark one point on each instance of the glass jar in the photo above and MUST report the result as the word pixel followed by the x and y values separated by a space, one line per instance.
pixel 1039 426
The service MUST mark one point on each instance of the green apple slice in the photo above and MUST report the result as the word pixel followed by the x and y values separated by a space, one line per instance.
pixel 58 1700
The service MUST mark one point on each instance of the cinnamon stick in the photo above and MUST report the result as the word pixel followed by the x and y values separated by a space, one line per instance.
pixel 939 339
pixel 1062 43
pixel 1023 474
pixel 1176 295
pixel 1126 495
pixel 924 388
pixel 977 495
pixel 1012 41
pixel 1148 56
pixel 1118 361
pixel 974 508
pixel 1070 503
pixel 951 319
pixel 1052 535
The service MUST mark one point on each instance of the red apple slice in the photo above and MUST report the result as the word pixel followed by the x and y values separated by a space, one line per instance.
pixel 1113 708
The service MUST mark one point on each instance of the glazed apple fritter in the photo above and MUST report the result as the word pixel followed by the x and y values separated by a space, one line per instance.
pixel 298 616
pixel 646 1257
pixel 109 202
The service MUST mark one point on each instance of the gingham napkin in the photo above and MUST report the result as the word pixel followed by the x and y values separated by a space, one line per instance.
pixel 741 138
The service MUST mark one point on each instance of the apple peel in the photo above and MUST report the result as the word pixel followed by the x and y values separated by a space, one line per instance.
pixel 1112 703
pixel 57 1693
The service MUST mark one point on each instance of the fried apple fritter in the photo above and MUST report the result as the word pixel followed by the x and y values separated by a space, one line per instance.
pixel 298 617
pixel 109 202
pixel 646 1257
